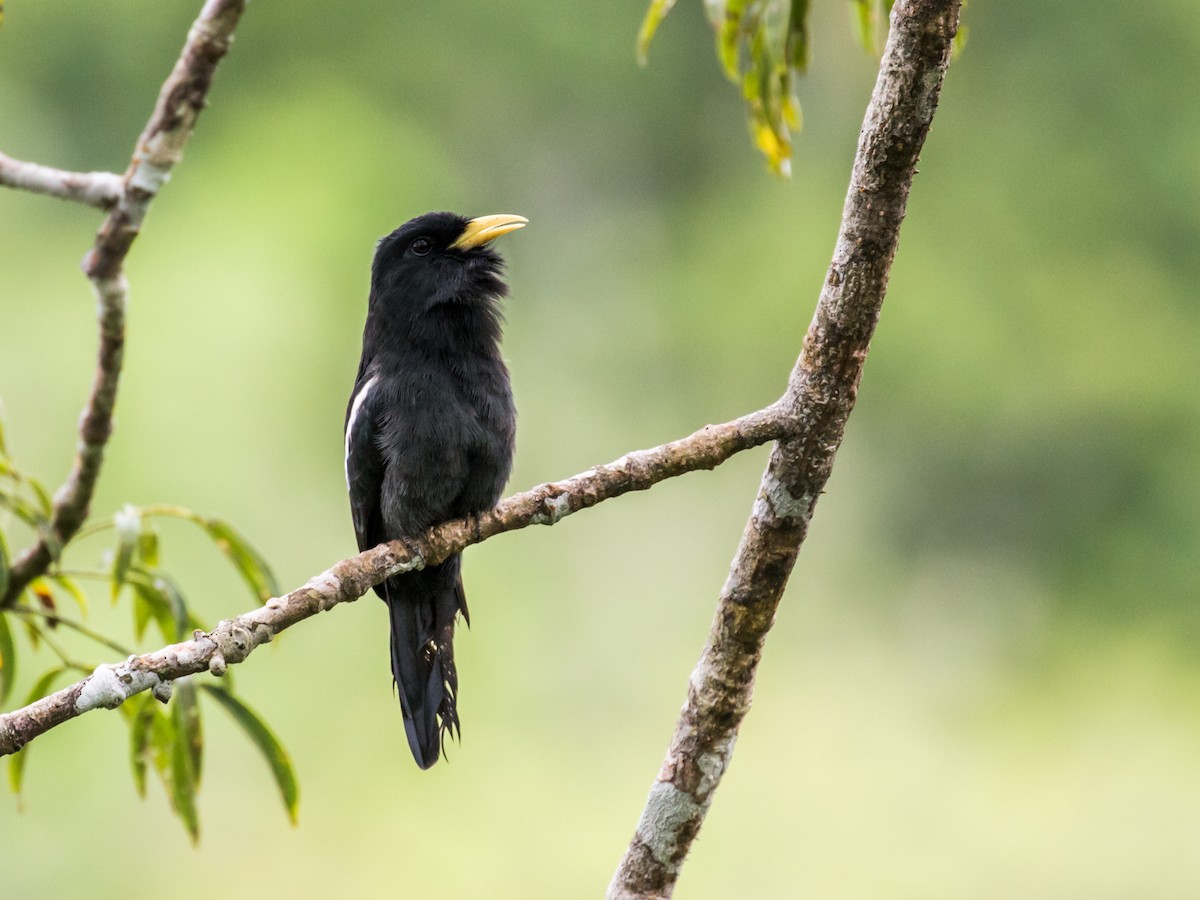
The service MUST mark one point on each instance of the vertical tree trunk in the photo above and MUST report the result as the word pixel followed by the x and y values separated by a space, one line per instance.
pixel 820 396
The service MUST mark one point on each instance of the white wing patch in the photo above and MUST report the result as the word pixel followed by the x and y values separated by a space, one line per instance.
pixel 355 409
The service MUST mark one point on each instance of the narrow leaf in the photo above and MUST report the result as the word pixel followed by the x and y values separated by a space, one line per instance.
pixel 71 586
pixel 183 775
pixel 43 496
pixel 149 605
pixel 8 659
pixel 251 565
pixel 16 762
pixel 162 739
pixel 144 600
pixel 960 36
pixel 797 37
pixel 654 15
pixel 31 634
pixel 23 510
pixel 263 738
pixel 157 597
pixel 147 549
pixel 736 20
pixel 187 717
pixel 140 730
pixel 863 13
pixel 3 565
pixel 128 522
pixel 169 590
pixel 16 772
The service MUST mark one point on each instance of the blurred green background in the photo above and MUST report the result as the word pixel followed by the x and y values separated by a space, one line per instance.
pixel 983 680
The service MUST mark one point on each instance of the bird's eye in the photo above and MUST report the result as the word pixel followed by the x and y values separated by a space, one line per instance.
pixel 422 246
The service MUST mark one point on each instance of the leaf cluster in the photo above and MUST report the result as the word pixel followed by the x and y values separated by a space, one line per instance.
pixel 165 728
pixel 763 46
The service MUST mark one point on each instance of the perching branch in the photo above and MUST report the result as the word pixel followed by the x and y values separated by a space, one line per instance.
pixel 233 639
pixel 99 189
pixel 158 149
pixel 820 396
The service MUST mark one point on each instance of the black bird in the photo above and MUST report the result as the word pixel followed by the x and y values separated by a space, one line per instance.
pixel 429 436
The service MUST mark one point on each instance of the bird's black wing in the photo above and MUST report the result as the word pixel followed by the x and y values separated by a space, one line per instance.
pixel 364 461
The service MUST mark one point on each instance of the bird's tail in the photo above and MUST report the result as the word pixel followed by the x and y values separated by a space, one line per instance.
pixel 422 607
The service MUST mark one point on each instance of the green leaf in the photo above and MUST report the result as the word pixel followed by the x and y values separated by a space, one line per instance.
pixel 3 565
pixel 8 659
pixel 263 738
pixel 871 22
pixel 31 634
pixel 157 597
pixel 187 718
pixel 71 586
pixel 170 756
pixel 140 711
pixel 43 496
pixel 169 590
pixel 16 762
pixel 183 780
pixel 797 35
pixel 146 602
pixel 16 773
pixel 863 13
pixel 736 22
pixel 762 45
pixel 162 739
pixel 960 36
pixel 254 569
pixel 128 523
pixel 23 510
pixel 654 15
pixel 147 549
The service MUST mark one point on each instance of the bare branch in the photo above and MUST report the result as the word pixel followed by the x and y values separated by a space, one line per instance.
pixel 820 396
pixel 233 639
pixel 161 144
pixel 99 189
pixel 158 149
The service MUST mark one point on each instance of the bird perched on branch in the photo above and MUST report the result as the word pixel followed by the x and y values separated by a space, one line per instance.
pixel 429 436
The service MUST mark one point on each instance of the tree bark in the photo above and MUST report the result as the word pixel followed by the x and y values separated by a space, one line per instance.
pixel 820 396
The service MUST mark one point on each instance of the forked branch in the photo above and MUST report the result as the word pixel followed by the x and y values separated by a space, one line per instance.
pixel 128 198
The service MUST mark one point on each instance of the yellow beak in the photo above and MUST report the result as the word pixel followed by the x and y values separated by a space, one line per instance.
pixel 486 229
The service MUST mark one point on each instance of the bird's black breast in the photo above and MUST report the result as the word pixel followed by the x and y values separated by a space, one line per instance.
pixel 442 429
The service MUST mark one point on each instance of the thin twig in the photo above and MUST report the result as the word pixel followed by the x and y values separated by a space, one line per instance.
pixel 820 396
pixel 160 510
pixel 99 189
pixel 53 618
pixel 67 662
pixel 158 149
pixel 234 639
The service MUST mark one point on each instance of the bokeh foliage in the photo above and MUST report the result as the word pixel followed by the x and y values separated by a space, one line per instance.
pixel 983 677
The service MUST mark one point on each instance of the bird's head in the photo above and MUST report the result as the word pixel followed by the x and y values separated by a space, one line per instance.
pixel 440 258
